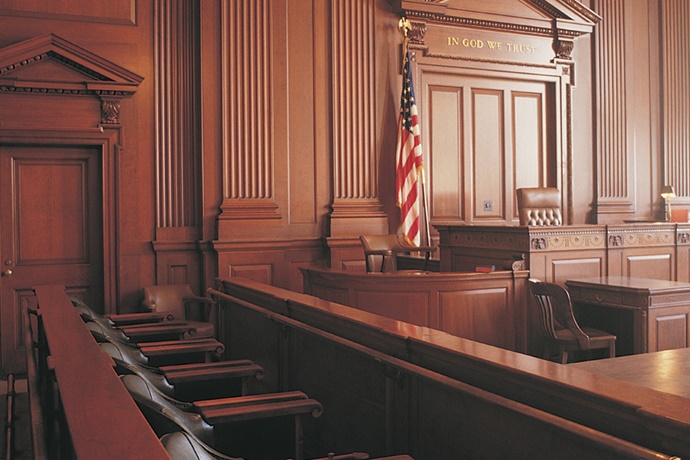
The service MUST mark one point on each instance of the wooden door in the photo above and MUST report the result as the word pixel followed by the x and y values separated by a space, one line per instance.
pixel 50 231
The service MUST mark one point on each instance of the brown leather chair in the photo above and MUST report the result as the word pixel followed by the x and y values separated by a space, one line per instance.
pixel 178 300
pixel 559 326
pixel 380 252
pixel 539 206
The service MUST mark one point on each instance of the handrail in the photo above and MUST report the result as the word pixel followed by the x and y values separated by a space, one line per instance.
pixel 102 419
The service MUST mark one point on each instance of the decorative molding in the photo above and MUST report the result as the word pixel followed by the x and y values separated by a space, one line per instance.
pixel 641 238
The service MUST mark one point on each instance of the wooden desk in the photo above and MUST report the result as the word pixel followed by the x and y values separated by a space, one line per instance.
pixel 645 314
pixel 667 371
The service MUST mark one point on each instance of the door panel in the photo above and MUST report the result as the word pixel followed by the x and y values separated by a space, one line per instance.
pixel 486 137
pixel 50 231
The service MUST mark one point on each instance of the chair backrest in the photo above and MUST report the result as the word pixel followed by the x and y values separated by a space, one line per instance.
pixel 539 206
pixel 127 362
pixel 556 311
pixel 183 446
pixel 380 251
pixel 165 414
pixel 173 298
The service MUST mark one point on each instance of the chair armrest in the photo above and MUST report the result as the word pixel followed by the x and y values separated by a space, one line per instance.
pixel 228 410
pixel 173 347
pixel 218 370
pixel 149 333
pixel 137 318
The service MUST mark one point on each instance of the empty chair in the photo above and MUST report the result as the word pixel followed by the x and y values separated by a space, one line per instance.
pixel 187 382
pixel 539 206
pixel 117 320
pixel 178 299
pixel 218 422
pixel 380 252
pixel 559 326
pixel 162 352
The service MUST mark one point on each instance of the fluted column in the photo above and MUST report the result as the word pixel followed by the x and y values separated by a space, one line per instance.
pixel 248 111
pixel 615 175
pixel 356 205
pixel 675 75
pixel 176 114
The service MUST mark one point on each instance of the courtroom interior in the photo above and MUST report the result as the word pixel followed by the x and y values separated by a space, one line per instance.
pixel 345 229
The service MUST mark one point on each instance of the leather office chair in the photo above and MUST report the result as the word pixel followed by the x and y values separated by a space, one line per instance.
pixel 205 419
pixel 559 326
pixel 539 206
pixel 380 252
pixel 177 299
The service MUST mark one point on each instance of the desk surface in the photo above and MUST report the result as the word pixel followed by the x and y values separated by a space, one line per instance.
pixel 667 371
pixel 630 284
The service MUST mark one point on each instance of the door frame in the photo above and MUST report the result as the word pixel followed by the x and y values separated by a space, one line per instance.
pixel 107 140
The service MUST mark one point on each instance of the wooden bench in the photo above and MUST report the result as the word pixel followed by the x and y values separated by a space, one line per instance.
pixel 397 387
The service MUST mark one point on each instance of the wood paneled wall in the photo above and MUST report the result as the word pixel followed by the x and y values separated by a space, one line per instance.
pixel 262 138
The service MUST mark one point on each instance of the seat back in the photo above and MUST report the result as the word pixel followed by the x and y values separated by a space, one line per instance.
pixel 183 446
pixel 175 298
pixel 539 206
pixel 379 254
pixel 126 362
pixel 166 415
pixel 556 311
pixel 168 298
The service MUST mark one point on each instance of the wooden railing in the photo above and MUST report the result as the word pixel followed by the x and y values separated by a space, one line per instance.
pixel 79 408
pixel 394 387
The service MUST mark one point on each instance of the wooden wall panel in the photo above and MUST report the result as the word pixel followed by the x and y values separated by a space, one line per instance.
pixel 485 315
pixel 488 150
pixel 446 151
pixel 112 11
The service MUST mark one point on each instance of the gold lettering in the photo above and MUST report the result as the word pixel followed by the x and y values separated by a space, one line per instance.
pixel 477 43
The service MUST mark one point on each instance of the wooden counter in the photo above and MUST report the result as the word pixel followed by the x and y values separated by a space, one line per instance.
pixel 646 315
pixel 486 307
pixel 556 254
pixel 667 371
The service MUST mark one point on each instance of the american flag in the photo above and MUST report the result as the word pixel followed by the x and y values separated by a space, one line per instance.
pixel 409 159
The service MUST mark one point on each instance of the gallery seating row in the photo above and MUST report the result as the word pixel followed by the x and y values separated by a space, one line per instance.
pixel 67 437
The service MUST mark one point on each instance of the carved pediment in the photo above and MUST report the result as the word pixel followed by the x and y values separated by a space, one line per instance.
pixel 567 18
pixel 49 64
